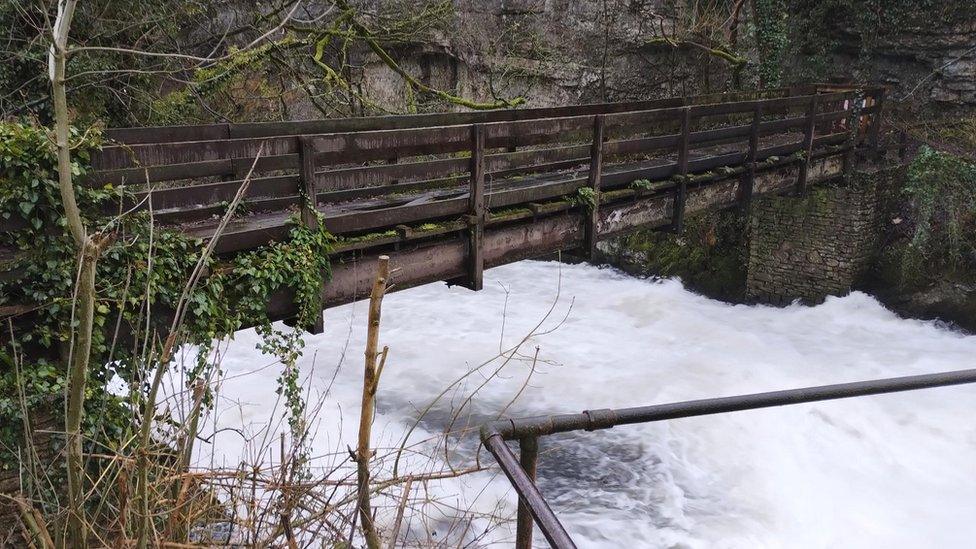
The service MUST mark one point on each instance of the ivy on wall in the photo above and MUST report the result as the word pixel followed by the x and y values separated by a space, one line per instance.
pixel 941 188
pixel 771 39
pixel 143 273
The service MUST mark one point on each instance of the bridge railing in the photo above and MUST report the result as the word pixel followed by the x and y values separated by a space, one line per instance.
pixel 385 183
pixel 193 180
pixel 521 471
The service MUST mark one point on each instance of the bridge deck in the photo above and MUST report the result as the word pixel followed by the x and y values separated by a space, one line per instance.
pixel 448 195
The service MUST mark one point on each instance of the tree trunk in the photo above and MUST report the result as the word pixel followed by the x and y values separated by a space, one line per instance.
pixel 88 252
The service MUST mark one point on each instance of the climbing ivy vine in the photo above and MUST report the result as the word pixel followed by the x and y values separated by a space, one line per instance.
pixel 771 38
pixel 141 275
pixel 941 188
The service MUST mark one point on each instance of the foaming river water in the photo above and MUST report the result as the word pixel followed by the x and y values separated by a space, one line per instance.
pixel 887 471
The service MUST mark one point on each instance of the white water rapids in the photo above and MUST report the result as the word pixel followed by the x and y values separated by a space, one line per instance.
pixel 887 471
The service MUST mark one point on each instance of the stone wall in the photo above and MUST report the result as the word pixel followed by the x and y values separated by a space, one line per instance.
pixel 810 247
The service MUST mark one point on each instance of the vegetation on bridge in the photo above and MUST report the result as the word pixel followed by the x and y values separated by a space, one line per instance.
pixel 143 268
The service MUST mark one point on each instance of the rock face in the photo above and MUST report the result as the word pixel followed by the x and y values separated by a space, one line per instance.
pixel 925 52
pixel 553 52
pixel 934 63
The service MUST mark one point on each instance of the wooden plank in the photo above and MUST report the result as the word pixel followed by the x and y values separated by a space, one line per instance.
pixel 135 156
pixel 270 129
pixel 476 209
pixel 198 195
pixel 524 161
pixel 387 174
pixel 592 216
pixel 379 144
pixel 154 174
pixel 168 134
pixel 213 212
pixel 681 191
pixel 333 197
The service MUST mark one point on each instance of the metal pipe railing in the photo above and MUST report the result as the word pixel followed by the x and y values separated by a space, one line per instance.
pixel 527 430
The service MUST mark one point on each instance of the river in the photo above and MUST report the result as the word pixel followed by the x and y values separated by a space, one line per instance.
pixel 887 471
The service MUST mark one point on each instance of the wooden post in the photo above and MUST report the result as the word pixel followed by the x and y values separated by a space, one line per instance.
pixel 593 182
pixel 306 153
pixel 854 124
pixel 811 130
pixel 476 209
pixel 391 161
pixel 528 458
pixel 745 194
pixel 681 190
pixel 874 136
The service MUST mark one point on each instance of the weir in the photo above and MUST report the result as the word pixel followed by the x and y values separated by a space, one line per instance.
pixel 449 195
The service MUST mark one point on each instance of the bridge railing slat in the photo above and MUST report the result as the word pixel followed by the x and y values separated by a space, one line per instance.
pixel 163 134
pixel 433 158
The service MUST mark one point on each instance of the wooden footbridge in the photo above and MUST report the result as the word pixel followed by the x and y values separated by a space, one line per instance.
pixel 449 195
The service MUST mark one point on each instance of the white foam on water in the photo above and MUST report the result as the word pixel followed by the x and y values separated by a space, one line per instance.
pixel 886 471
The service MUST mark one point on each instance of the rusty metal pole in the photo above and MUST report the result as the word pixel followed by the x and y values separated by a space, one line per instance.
pixel 529 454
pixel 550 526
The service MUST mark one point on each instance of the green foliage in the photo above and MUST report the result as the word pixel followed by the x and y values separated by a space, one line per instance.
pixel 141 270
pixel 584 197
pixel 242 69
pixel 110 86
pixel 941 188
pixel 772 39
pixel 641 184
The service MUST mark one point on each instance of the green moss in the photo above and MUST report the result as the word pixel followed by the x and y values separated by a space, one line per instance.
pixel 708 256
pixel 369 237
pixel 509 212
pixel 141 265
